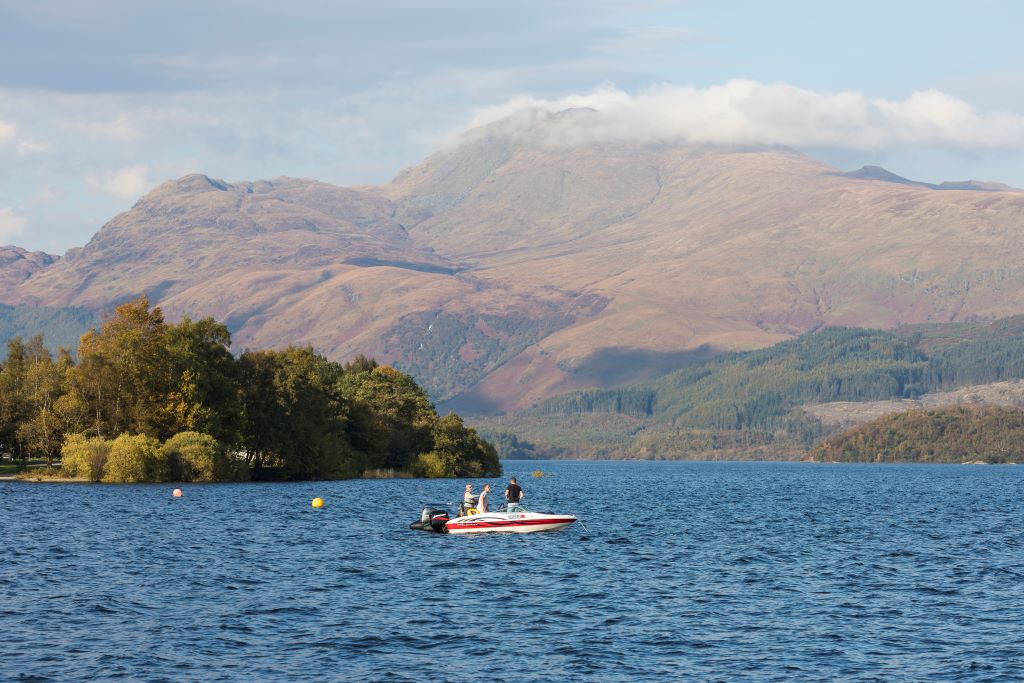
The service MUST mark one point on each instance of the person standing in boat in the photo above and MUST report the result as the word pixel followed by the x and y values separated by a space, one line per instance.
pixel 513 494
pixel 468 500
pixel 481 503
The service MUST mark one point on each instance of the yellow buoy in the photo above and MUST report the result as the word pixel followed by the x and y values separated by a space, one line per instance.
pixel 537 474
pixel 318 502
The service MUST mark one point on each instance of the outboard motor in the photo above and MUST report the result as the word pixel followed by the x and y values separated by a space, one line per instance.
pixel 438 519
pixel 431 519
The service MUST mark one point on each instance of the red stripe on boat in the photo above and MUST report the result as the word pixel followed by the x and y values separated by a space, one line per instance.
pixel 517 522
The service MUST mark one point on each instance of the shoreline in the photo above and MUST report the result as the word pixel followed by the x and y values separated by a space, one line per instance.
pixel 4 478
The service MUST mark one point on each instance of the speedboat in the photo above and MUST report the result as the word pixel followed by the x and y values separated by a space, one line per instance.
pixel 521 521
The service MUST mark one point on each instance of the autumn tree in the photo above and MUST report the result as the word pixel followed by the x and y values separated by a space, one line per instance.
pixel 122 374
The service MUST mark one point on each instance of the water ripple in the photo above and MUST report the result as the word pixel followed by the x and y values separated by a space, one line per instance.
pixel 777 572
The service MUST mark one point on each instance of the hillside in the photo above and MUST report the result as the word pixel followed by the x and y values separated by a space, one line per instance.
pixel 525 261
pixel 767 403
pixel 988 434
pixel 60 327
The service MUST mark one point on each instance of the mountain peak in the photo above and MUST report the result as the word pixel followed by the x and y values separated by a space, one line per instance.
pixel 879 173
pixel 193 183
pixel 18 265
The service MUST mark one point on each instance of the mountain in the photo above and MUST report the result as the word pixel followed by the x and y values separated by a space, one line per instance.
pixel 539 255
pixel 879 173
pixel 18 265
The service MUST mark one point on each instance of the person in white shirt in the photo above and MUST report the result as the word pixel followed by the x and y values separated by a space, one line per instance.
pixel 481 503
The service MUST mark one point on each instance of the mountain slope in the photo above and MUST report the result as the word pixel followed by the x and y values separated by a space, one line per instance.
pixel 527 260
pixel 779 400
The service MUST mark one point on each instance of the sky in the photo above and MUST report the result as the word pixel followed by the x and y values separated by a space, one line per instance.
pixel 101 101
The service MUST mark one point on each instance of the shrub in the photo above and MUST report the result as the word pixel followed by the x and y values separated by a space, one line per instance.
pixel 192 456
pixel 84 457
pixel 134 459
pixel 433 465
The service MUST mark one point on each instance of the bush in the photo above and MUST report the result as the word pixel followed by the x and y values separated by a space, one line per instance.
pixel 84 457
pixel 135 459
pixel 433 465
pixel 192 456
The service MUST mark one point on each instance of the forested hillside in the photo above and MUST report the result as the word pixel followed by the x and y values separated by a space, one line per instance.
pixel 962 434
pixel 150 401
pixel 60 327
pixel 749 403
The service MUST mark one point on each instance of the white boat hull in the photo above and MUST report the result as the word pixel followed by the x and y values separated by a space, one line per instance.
pixel 508 522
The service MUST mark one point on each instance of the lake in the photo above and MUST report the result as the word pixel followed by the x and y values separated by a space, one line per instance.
pixel 685 571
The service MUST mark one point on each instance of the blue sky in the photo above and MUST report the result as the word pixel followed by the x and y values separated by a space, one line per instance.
pixel 101 101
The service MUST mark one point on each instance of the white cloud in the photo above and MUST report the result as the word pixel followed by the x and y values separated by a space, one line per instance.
pixel 11 224
pixel 744 112
pixel 126 184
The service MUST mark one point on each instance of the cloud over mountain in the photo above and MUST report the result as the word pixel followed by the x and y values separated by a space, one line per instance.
pixel 745 112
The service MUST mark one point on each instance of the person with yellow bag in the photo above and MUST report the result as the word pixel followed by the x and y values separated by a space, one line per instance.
pixel 468 502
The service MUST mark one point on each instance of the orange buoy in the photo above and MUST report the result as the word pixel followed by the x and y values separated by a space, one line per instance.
pixel 176 493
pixel 318 502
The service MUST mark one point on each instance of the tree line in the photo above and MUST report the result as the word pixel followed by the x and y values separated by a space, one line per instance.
pixel 147 401
pixel 978 433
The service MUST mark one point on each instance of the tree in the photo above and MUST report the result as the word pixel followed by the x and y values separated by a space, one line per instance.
pixel 47 416
pixel 122 375
pixel 402 409
pixel 313 443
pixel 13 406
pixel 296 416
pixel 457 452
pixel 263 414
pixel 202 392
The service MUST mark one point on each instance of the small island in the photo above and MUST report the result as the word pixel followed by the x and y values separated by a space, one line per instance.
pixel 150 401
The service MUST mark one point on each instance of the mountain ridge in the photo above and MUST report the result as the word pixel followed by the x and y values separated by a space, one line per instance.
pixel 514 266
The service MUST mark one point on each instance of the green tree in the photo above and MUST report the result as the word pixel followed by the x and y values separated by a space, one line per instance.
pixel 202 392
pixel 402 409
pixel 296 416
pixel 122 376
pixel 264 416
pixel 13 403
pixel 47 417
pixel 457 452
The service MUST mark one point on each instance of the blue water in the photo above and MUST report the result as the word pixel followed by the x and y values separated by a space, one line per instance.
pixel 689 571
